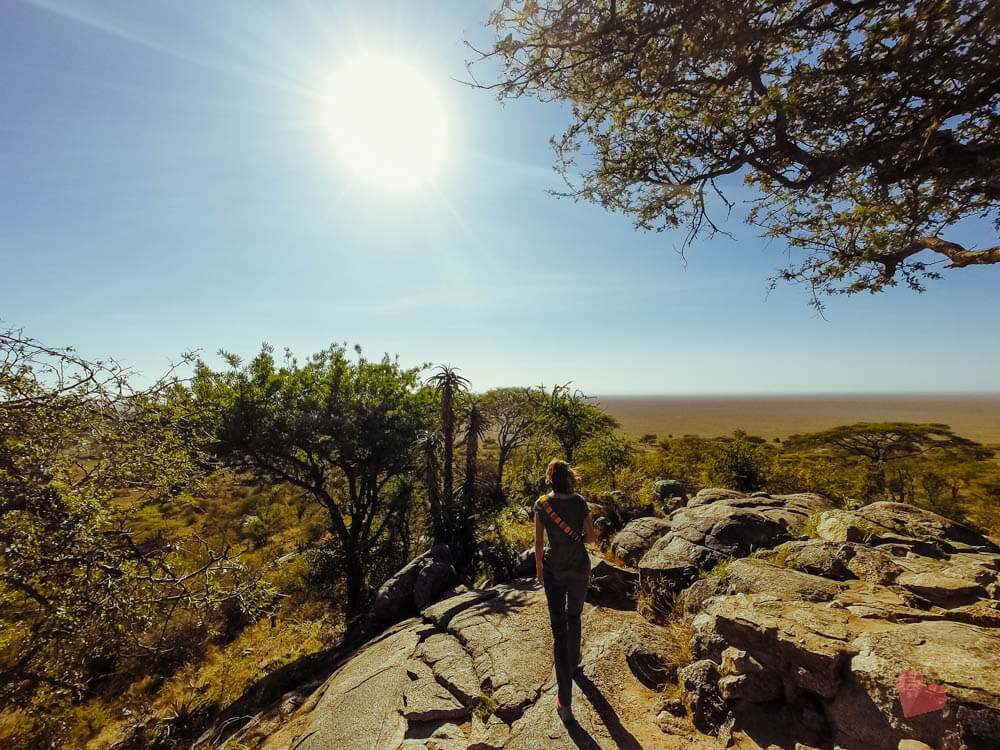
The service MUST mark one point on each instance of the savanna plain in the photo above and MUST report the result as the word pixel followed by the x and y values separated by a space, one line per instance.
pixel 976 416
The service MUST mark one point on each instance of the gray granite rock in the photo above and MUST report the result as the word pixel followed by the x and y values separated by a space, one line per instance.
pixel 632 542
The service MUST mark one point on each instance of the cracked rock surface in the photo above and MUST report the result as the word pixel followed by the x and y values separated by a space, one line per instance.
pixel 474 672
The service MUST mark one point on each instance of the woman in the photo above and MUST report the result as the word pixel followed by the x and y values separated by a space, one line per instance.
pixel 563 570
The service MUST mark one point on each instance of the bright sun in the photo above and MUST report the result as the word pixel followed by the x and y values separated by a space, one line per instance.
pixel 388 121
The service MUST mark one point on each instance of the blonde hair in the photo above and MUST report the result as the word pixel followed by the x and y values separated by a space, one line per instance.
pixel 560 476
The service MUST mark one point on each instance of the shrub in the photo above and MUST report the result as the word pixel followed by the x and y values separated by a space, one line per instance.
pixel 740 463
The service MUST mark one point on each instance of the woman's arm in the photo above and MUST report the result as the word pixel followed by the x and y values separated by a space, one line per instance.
pixel 539 545
pixel 589 530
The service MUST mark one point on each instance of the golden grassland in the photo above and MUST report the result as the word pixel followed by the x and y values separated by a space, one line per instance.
pixel 974 416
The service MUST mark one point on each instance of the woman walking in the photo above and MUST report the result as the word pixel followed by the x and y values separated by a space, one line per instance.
pixel 564 571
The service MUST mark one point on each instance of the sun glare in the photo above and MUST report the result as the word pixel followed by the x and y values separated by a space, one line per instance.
pixel 387 121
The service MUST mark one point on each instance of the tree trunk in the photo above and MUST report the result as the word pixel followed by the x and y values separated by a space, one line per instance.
pixel 448 431
pixel 355 582
pixel 569 453
pixel 431 481
pixel 501 461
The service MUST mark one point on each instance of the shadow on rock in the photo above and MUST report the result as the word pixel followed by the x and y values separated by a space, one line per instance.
pixel 581 737
pixel 510 596
pixel 609 717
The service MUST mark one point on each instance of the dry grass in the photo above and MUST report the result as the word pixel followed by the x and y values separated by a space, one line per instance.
pixel 225 672
pixel 681 633
pixel 973 416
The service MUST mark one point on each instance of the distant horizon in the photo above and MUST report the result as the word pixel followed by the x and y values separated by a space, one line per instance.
pixel 785 394
pixel 970 415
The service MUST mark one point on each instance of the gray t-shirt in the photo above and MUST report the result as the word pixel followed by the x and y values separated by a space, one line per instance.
pixel 563 554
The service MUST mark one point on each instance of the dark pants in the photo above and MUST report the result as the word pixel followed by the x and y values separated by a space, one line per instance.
pixel 565 595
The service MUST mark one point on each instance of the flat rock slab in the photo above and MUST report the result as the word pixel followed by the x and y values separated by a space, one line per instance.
pixel 359 707
pixel 506 650
pixel 425 699
pixel 441 613
pixel 956 582
pixel 451 666
pixel 751 576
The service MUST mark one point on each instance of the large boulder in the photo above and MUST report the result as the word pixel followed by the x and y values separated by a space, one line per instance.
pixel 840 526
pixel 963 658
pixel 711 494
pixel 837 560
pixel 632 542
pixel 665 489
pixel 700 681
pixel 818 557
pixel 669 494
pixel 612 585
pixel 415 586
pixel 694 597
pixel 650 653
pixel 806 643
pixel 907 520
pixel 524 564
pixel 744 678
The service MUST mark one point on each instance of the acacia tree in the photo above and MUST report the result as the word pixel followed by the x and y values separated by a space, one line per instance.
pixel 609 453
pixel 882 444
pixel 739 463
pixel 343 430
pixel 867 128
pixel 80 592
pixel 566 415
pixel 511 412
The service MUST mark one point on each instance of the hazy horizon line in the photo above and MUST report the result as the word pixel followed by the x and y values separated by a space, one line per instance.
pixel 804 394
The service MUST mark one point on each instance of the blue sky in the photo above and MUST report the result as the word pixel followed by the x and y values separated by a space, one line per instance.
pixel 167 184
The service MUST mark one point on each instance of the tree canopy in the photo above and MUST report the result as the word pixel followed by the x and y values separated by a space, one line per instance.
pixel 511 412
pixel 881 442
pixel 567 416
pixel 80 591
pixel 867 128
pixel 344 430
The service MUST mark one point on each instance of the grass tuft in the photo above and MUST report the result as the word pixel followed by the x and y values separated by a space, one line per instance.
pixel 485 705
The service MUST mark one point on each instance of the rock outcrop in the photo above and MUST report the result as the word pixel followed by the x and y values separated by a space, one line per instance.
pixel 834 621
pixel 474 672
pixel 416 585
pixel 720 524
pixel 792 621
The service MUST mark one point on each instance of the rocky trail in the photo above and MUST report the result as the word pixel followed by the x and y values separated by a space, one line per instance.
pixel 793 621
pixel 427 682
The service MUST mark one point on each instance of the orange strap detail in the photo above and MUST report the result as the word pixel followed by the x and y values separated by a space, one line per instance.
pixel 567 529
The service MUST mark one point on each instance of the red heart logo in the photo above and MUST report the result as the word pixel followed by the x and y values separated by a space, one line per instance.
pixel 916 697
